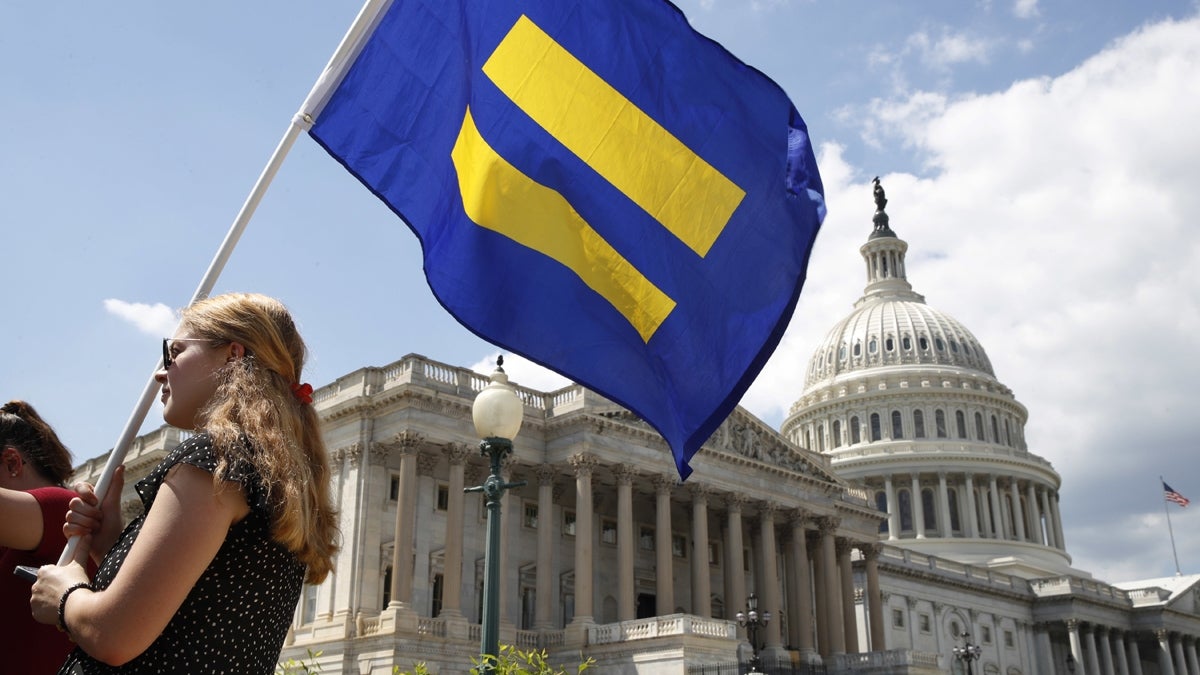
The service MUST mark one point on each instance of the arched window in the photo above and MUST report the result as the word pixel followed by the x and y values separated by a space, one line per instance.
pixel 889 344
pixel 939 420
pixel 837 433
pixel 876 432
pixel 960 423
pixel 897 426
pixel 952 495
pixel 995 431
pixel 858 349
pixel 906 343
pixel 918 424
pixel 808 439
pixel 872 346
pixel 1007 436
pixel 906 520
pixel 927 506
pixel 979 427
pixel 820 438
pixel 923 343
pixel 881 504
pixel 941 346
pixel 855 433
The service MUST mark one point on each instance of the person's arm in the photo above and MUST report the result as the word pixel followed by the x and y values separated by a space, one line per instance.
pixel 182 533
pixel 20 521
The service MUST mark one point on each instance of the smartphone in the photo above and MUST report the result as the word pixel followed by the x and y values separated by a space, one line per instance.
pixel 26 572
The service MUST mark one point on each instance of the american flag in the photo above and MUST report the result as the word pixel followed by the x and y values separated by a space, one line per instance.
pixel 1173 496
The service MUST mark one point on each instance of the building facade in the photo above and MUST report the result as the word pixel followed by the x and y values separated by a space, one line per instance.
pixel 898 514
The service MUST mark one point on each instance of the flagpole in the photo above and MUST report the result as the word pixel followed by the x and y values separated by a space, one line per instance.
pixel 301 121
pixel 1171 530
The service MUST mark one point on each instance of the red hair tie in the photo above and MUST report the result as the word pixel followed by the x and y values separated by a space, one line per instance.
pixel 302 392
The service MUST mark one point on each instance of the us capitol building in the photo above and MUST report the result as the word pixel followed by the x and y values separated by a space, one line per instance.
pixel 897 509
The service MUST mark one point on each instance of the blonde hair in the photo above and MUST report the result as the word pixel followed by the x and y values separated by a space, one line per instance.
pixel 254 402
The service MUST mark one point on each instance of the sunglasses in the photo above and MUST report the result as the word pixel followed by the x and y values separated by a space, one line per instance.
pixel 167 358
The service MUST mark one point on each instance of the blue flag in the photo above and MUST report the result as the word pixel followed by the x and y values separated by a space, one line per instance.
pixel 595 186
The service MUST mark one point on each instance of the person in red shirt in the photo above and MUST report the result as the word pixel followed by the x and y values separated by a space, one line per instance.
pixel 34 465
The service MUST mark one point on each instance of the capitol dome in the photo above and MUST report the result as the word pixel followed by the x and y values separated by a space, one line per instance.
pixel 903 400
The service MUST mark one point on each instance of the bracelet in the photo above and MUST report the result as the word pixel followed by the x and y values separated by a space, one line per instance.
pixel 62 604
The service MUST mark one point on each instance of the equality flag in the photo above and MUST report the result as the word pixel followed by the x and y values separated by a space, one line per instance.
pixel 1173 496
pixel 595 186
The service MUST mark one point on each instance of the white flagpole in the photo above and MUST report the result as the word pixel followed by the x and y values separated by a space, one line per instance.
pixel 1171 530
pixel 303 120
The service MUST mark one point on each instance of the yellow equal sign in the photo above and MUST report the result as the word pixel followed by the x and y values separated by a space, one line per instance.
pixel 497 196
pixel 632 151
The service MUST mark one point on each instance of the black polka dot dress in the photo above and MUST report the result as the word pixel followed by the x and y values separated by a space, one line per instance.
pixel 235 618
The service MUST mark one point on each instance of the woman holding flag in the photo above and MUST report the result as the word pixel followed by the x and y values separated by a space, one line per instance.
pixel 236 517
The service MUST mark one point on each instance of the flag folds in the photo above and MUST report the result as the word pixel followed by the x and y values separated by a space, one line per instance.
pixel 1173 496
pixel 595 186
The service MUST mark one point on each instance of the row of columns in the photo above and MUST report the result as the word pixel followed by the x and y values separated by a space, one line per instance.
pixel 820 585
pixel 1102 650
pixel 1043 526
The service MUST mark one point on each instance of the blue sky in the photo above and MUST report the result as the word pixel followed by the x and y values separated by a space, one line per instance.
pixel 1039 158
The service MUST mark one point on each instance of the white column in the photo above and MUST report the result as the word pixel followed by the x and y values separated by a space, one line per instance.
pixel 1135 657
pixel 972 516
pixel 918 507
pixel 701 584
pixel 1118 641
pixel 1044 495
pixel 1018 512
pixel 1035 521
pixel 456 455
pixel 944 507
pixel 997 511
pixel 893 508
pixel 1058 531
pixel 833 595
pixel 1180 661
pixel 402 541
pixel 1076 645
pixel 584 464
pixel 874 598
pixel 1045 653
pixel 849 618
pixel 1104 644
pixel 1193 663
pixel 543 616
pixel 1089 642
pixel 770 580
pixel 1166 665
pixel 626 599
pixel 664 572
pixel 802 612
pixel 735 588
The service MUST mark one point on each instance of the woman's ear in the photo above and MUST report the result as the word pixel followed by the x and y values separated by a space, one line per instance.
pixel 236 350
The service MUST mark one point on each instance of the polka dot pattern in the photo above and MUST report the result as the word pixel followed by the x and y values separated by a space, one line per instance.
pixel 235 618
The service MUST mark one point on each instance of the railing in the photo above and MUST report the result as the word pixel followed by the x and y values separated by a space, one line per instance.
pixel 881 660
pixel 674 624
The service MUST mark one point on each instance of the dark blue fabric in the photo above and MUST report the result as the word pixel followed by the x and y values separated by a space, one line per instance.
pixel 393 121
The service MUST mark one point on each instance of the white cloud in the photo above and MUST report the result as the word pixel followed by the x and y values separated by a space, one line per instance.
pixel 156 319
pixel 1058 224
pixel 1025 9
pixel 948 49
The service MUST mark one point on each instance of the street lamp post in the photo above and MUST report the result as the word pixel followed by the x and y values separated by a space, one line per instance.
pixel 497 413
pixel 967 653
pixel 752 621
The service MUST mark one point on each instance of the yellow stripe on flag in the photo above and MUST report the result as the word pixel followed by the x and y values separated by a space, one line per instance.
pixel 628 148
pixel 497 196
